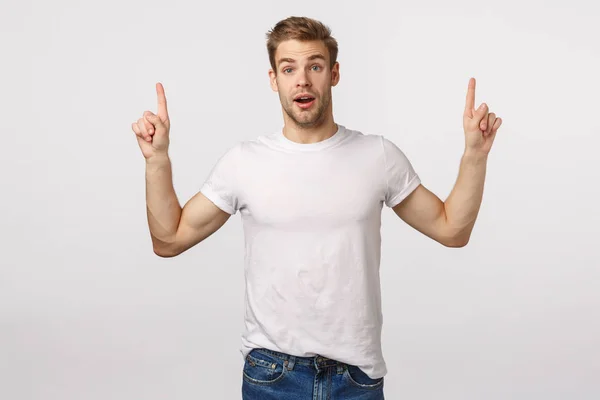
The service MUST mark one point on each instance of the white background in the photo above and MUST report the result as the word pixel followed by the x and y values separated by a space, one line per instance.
pixel 88 311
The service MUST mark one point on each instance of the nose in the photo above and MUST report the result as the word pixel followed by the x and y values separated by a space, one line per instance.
pixel 303 80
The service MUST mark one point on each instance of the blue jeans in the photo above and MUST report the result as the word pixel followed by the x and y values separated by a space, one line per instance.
pixel 271 375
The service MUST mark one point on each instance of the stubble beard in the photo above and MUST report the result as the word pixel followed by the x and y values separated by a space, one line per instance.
pixel 317 116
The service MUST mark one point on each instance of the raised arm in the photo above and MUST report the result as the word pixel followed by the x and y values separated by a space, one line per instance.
pixel 451 222
pixel 173 229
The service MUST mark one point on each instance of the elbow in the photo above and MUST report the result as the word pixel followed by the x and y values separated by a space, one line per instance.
pixel 456 241
pixel 454 237
pixel 457 244
pixel 163 254
pixel 164 250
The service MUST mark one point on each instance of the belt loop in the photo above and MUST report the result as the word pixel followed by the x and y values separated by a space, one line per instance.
pixel 290 362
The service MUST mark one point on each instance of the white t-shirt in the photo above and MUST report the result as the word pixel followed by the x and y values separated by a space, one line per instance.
pixel 311 215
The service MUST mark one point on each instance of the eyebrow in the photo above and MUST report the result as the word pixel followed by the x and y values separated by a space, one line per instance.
pixel 291 60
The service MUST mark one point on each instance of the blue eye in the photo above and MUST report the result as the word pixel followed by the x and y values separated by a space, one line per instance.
pixel 316 66
pixel 286 69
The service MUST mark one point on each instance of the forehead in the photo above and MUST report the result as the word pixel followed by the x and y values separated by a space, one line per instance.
pixel 300 50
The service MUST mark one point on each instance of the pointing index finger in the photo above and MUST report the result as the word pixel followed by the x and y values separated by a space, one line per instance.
pixel 162 102
pixel 470 103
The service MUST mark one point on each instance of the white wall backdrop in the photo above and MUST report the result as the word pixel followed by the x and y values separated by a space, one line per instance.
pixel 88 311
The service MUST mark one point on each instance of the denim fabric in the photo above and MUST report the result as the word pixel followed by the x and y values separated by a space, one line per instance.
pixel 272 375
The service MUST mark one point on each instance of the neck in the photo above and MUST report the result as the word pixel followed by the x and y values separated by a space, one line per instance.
pixel 313 134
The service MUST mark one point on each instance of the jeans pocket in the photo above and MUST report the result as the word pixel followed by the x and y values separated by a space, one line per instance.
pixel 263 369
pixel 357 377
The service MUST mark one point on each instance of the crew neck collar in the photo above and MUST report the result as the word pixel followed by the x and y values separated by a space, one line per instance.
pixel 323 144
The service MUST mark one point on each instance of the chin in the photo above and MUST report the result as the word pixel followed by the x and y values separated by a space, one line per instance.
pixel 309 123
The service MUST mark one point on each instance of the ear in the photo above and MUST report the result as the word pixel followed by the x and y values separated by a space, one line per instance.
pixel 335 74
pixel 273 80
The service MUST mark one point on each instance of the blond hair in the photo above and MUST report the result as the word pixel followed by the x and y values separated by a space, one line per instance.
pixel 303 29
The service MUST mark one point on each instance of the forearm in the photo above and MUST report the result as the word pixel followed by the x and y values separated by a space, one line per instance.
pixel 162 206
pixel 463 203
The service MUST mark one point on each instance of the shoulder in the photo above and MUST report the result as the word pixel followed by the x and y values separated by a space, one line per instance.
pixel 392 155
pixel 259 143
pixel 382 142
pixel 245 147
pixel 390 148
pixel 365 138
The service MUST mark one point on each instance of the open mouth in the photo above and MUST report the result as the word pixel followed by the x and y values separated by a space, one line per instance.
pixel 304 100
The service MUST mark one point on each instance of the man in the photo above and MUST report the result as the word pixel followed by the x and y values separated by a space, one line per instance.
pixel 310 197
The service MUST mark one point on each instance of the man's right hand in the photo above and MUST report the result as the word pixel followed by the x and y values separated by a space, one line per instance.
pixel 152 130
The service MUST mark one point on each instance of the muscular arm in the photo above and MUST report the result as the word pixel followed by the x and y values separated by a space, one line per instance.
pixel 451 222
pixel 173 229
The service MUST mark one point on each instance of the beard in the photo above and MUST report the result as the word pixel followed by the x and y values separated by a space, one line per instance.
pixel 311 118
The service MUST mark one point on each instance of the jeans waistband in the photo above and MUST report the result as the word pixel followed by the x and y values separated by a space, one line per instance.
pixel 318 360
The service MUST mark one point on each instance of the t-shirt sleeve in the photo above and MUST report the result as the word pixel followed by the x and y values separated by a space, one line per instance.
pixel 400 176
pixel 221 185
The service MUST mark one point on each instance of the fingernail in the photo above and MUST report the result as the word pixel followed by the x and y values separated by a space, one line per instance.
pixel 481 107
